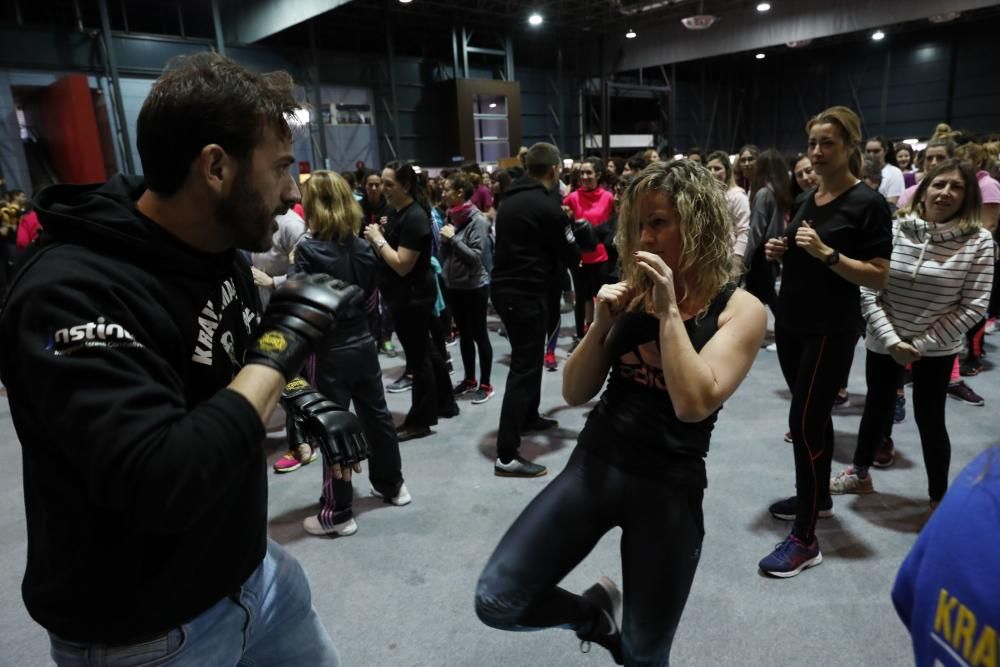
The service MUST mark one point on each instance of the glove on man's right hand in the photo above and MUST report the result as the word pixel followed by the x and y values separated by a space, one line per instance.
pixel 300 312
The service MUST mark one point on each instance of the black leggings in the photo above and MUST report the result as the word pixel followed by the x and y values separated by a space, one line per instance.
pixel 930 392
pixel 432 392
pixel 662 531
pixel 813 367
pixel 587 280
pixel 468 308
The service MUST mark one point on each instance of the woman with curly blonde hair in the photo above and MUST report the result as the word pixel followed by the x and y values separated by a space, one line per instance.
pixel 676 338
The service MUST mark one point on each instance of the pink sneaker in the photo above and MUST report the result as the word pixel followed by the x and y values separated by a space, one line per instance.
pixel 295 459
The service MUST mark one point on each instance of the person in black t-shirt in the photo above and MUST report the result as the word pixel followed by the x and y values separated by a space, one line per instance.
pixel 676 339
pixel 839 239
pixel 376 211
pixel 407 283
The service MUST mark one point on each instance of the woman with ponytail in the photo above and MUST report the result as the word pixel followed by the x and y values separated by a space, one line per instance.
pixel 839 240
pixel 409 285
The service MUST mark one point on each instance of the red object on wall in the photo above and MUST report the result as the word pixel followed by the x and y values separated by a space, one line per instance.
pixel 70 131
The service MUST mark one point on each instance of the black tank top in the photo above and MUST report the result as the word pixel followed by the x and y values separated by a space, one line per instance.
pixel 634 426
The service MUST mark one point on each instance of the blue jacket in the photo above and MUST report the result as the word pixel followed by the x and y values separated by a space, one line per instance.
pixel 948 589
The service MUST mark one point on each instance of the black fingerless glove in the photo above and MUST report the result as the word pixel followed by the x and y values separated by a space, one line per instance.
pixel 317 419
pixel 300 312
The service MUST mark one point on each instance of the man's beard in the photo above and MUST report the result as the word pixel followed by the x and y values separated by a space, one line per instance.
pixel 246 217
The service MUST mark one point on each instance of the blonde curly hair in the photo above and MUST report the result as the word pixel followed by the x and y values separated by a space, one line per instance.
pixel 706 232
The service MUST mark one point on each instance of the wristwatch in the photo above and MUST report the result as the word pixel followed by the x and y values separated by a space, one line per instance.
pixel 380 244
pixel 832 259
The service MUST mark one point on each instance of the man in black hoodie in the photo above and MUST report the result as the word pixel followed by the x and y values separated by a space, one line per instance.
pixel 139 382
pixel 534 240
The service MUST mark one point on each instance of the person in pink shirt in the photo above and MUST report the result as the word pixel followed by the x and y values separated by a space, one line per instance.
pixel 28 229
pixel 989 213
pixel 595 205
pixel 937 151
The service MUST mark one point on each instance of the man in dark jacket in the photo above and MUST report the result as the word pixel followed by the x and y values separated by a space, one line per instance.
pixel 139 383
pixel 534 240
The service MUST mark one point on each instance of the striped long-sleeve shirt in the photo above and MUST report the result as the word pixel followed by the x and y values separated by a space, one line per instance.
pixel 939 286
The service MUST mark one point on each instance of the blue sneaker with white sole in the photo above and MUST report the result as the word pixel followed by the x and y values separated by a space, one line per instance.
pixel 791 557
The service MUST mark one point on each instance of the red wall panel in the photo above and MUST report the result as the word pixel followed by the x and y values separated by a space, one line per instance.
pixel 70 131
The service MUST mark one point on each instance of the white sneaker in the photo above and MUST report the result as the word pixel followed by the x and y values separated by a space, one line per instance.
pixel 847 481
pixel 342 529
pixel 402 498
pixel 773 347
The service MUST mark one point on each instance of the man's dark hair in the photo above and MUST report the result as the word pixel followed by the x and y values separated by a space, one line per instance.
pixel 361 175
pixel 695 150
pixel 540 158
pixel 207 99
pixel 636 163
pixel 472 167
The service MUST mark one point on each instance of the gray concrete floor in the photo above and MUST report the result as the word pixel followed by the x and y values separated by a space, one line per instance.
pixel 400 591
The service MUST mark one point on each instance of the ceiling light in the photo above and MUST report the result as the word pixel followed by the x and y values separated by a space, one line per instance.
pixel 678 156
pixel 912 142
pixel 535 19
pixel 405 2
pixel 878 35
pixel 764 7
pixel 300 117
pixel 698 21
pixel 944 18
pixel 760 56
pixel 630 34
pixel 493 105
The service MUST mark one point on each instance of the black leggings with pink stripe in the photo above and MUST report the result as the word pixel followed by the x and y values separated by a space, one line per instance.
pixel 813 367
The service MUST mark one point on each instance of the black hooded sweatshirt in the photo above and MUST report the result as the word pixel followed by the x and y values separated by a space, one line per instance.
pixel 534 240
pixel 144 477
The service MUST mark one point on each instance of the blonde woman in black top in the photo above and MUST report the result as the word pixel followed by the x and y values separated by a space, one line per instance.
pixel 673 340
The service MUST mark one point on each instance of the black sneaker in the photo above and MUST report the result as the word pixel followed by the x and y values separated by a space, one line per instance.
pixel 483 394
pixel 518 467
pixel 606 627
pixel 463 387
pixel 540 424
pixel 404 433
pixel 899 411
pixel 785 509
pixel 449 412
pixel 970 367
pixel 404 383
pixel 842 400
pixel 964 393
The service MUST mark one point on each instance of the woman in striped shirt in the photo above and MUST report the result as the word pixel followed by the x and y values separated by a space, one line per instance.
pixel 939 285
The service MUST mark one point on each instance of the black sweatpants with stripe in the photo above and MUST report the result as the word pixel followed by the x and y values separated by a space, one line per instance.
pixel 814 368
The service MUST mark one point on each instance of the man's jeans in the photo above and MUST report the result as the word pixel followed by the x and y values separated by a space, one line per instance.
pixel 272 623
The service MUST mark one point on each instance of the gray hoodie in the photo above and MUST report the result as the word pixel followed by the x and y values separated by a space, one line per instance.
pixel 465 256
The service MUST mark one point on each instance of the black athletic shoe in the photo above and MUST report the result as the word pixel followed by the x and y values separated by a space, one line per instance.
pixel 606 627
pixel 785 509
pixel 404 433
pixel 540 424
pixel 449 412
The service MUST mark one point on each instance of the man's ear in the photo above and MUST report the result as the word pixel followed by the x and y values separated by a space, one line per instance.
pixel 215 168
